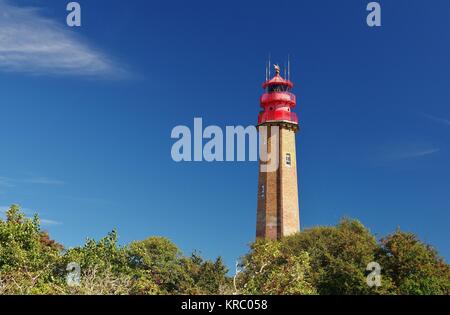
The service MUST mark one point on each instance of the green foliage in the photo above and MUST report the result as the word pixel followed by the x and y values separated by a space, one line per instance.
pixel 104 254
pixel 339 256
pixel 159 259
pixel 320 260
pixel 21 244
pixel 32 263
pixel 209 277
pixel 27 257
pixel 104 266
pixel 271 268
pixel 414 267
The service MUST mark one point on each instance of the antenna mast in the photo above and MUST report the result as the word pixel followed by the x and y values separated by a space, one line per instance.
pixel 289 68
pixel 267 75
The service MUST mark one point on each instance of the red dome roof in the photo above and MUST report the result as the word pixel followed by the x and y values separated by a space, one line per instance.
pixel 278 79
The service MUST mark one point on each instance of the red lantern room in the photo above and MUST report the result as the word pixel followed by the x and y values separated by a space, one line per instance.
pixel 277 101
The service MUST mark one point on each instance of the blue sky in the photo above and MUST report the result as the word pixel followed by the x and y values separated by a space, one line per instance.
pixel 86 115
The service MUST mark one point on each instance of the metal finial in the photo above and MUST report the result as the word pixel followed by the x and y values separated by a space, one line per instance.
pixel 277 69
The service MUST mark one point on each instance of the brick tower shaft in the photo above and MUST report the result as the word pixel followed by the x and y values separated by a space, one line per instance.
pixel 278 206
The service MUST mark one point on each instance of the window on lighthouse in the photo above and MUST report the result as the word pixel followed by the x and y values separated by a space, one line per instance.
pixel 288 159
pixel 278 88
pixel 262 192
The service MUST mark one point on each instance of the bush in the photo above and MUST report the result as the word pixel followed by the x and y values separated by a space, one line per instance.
pixel 319 260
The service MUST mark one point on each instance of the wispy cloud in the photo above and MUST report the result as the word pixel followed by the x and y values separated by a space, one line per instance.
pixel 43 181
pixel 411 153
pixel 30 213
pixel 47 222
pixel 32 43
pixel 12 182
pixel 6 182
pixel 438 119
pixel 418 153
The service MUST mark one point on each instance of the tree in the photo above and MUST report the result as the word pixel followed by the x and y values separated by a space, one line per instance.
pixel 209 277
pixel 271 268
pixel 27 256
pixel 104 267
pixel 104 254
pixel 414 267
pixel 160 260
pixel 319 260
pixel 157 258
pixel 339 256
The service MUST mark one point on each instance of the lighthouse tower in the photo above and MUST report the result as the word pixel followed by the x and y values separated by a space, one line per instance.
pixel 278 210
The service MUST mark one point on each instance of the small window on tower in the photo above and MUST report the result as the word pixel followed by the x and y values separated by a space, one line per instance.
pixel 288 159
pixel 263 192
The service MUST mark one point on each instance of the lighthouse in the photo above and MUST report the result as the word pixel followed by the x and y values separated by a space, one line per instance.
pixel 278 209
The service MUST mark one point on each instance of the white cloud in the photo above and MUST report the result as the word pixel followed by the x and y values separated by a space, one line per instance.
pixel 29 213
pixel 32 43
pixel 43 181
pixel 47 222
pixel 6 182
pixel 412 153
pixel 12 182
pixel 420 153
pixel 438 119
